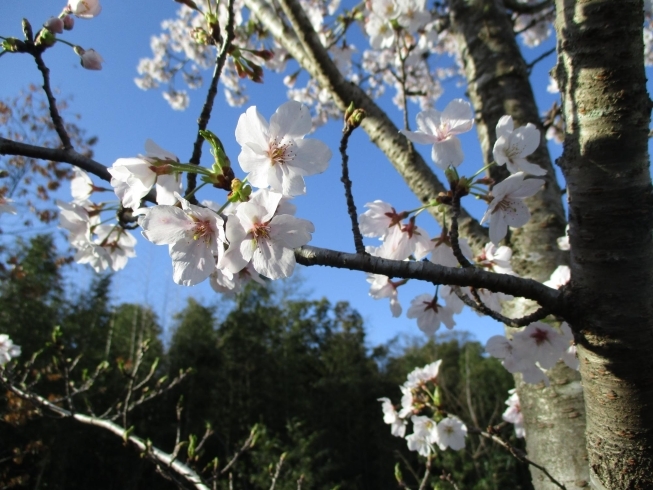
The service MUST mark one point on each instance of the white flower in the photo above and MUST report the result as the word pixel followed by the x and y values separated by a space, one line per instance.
pixel 276 154
pixel 81 186
pixel 7 349
pixel 514 145
pixel 380 31
pixel 256 233
pixel 451 433
pixel 405 240
pixel 413 14
pixel 383 287
pixel 425 433
pixel 507 207
pixel 118 242
pixel 391 417
pixel 194 235
pixel 430 314
pixel 563 241
pixel 132 178
pixel 379 219
pixel 559 277
pixel 75 218
pixel 86 9
pixel 442 253
pixel 5 207
pixel 428 373
pixel 540 343
pixel 226 282
pixel 513 413
pixel 440 130
pixel 497 259
pixel 569 357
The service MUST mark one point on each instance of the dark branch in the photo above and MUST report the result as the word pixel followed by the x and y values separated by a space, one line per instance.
pixel 549 298
pixel 9 147
pixel 530 66
pixel 351 206
pixel 52 102
pixel 205 115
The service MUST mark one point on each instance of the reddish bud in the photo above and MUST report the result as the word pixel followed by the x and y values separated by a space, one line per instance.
pixel 55 25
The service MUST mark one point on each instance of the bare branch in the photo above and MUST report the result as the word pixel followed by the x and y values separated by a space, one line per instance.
pixel 161 458
pixel 517 453
pixel 9 147
pixel 524 8
pixel 249 442
pixel 351 206
pixel 426 271
pixel 205 115
pixel 52 102
pixel 277 471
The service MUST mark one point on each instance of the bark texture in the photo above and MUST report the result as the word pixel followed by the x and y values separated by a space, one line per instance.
pixel 499 84
pixel 607 111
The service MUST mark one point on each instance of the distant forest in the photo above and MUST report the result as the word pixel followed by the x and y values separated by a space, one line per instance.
pixel 298 372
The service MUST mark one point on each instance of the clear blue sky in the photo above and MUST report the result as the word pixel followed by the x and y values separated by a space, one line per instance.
pixel 123 117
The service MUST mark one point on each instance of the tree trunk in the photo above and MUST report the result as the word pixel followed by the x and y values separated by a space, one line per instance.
pixel 498 85
pixel 601 76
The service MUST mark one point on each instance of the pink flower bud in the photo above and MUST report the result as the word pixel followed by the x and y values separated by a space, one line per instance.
pixel 54 24
pixel 68 22
pixel 89 58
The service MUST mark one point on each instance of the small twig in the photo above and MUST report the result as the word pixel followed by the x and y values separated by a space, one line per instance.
pixel 351 206
pixel 481 307
pixel 300 480
pixel 525 8
pixel 530 65
pixel 449 479
pixel 52 103
pixel 277 471
pixel 246 446
pixel 427 472
pixel 517 453
pixel 205 115
pixel 453 232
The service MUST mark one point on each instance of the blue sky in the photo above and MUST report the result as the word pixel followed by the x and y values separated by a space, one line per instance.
pixel 123 117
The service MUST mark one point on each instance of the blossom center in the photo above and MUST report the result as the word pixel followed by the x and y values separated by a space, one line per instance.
pixel 202 230
pixel 281 152
pixel 261 231
pixel 540 336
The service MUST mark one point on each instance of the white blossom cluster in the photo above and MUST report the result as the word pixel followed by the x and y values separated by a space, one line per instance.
pixel 230 245
pixel 419 395
pixel 8 350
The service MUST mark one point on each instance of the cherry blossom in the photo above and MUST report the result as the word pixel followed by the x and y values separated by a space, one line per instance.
pixel 119 244
pixel 507 207
pixel 194 235
pixel 442 253
pixel 514 415
pixel 256 233
pixel 8 350
pixel 497 259
pixel 540 343
pixel 515 360
pixel 383 287
pixel 81 186
pixel 225 282
pixel 569 357
pixel 379 219
pixel 430 314
pixel 133 178
pixel 514 145
pixel 75 218
pixel 405 240
pixel 440 130
pixel 420 375
pixel 424 434
pixel 391 417
pixel 54 25
pixel 559 277
pixel 451 433
pixel 276 154
pixel 86 9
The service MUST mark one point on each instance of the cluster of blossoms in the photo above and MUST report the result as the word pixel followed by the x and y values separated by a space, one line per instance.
pixel 8 350
pixel 420 405
pixel 255 234
pixel 514 415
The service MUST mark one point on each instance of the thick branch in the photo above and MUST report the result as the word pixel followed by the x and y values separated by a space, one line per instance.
pixel 525 8
pixel 9 147
pixel 426 271
pixel 314 58
pixel 164 459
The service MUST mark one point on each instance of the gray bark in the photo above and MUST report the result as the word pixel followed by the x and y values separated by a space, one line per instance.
pixel 499 84
pixel 601 75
